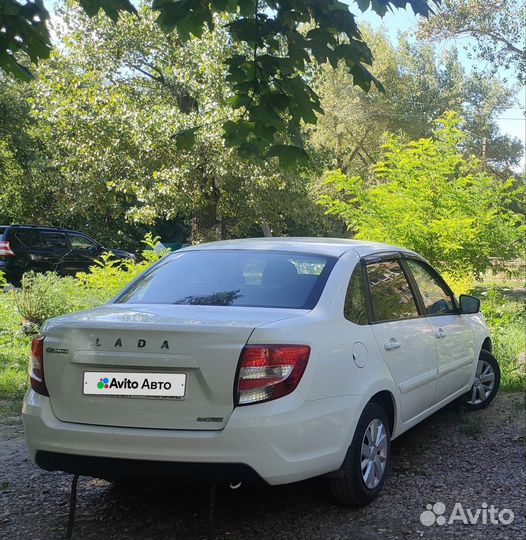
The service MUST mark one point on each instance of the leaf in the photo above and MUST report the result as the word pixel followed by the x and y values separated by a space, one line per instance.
pixel 10 65
pixel 185 139
pixel 112 8
pixel 289 156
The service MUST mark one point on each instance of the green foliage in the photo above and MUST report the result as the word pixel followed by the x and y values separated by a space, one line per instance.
pixel 3 281
pixel 14 350
pixel 108 276
pixel 508 343
pixel 427 196
pixel 507 320
pixel 421 84
pixel 23 31
pixel 44 296
pixel 110 138
pixel 499 311
pixel 266 73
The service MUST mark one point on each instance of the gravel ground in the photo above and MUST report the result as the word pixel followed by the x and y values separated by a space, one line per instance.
pixel 453 457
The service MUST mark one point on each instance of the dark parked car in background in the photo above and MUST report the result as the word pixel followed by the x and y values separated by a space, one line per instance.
pixel 48 249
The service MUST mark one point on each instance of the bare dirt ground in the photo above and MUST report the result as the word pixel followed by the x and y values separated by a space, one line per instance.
pixel 453 457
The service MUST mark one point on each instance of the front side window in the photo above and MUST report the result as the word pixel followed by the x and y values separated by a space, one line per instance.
pixel 234 278
pixel 391 295
pixel 355 309
pixel 437 300
pixel 80 243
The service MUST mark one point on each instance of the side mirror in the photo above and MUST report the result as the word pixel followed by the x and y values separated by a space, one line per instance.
pixel 469 304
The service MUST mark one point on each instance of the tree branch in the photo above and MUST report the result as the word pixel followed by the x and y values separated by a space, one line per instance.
pixel 495 37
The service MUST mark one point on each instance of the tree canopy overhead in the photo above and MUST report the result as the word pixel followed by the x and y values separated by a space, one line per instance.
pixel 272 96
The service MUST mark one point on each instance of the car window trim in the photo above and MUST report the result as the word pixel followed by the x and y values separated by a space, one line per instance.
pixel 439 279
pixel 359 265
pixel 385 257
pixel 413 285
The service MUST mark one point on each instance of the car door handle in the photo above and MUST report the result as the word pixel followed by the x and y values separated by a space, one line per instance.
pixel 391 344
pixel 440 334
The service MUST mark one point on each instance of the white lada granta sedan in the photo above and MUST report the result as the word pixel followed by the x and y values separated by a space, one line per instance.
pixel 276 359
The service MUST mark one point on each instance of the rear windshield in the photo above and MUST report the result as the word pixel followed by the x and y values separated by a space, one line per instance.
pixel 2 231
pixel 234 278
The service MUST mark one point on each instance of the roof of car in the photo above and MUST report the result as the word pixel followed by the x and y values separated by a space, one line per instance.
pixel 323 246
pixel 46 227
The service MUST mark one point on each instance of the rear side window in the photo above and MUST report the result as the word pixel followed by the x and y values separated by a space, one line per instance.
pixel 355 309
pixel 2 231
pixel 234 278
pixel 25 238
pixel 54 240
pixel 391 295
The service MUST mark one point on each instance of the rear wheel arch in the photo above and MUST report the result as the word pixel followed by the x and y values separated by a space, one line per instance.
pixel 487 345
pixel 386 400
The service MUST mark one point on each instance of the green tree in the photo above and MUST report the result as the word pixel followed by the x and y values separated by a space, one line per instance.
pixel 429 197
pixel 108 104
pixel 266 75
pixel 27 178
pixel 421 85
pixel 497 26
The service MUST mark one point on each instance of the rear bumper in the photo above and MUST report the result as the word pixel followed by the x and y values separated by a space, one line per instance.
pixel 112 468
pixel 277 442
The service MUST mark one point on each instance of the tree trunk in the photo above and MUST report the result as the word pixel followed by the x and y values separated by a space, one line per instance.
pixel 206 225
pixel 267 231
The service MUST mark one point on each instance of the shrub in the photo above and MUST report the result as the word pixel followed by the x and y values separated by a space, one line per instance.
pixel 428 196
pixel 506 320
pixel 3 281
pixel 43 296
pixel 508 343
pixel 108 276
pixel 499 311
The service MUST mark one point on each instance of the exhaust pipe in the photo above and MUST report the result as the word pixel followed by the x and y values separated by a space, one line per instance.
pixel 235 485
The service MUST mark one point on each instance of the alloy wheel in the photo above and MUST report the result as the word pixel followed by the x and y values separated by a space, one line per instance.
pixel 483 383
pixel 374 453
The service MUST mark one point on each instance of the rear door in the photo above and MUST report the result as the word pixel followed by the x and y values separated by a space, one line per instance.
pixel 453 336
pixel 53 250
pixel 404 336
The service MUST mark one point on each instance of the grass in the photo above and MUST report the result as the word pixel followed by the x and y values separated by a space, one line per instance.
pixel 14 351
pixel 503 305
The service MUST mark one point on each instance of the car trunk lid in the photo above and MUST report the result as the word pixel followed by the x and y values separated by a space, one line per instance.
pixel 128 342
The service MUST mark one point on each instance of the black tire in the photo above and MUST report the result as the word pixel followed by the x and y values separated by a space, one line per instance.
pixel 485 359
pixel 349 487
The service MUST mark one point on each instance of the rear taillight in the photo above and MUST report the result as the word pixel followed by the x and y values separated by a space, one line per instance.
pixel 269 371
pixel 5 249
pixel 36 366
